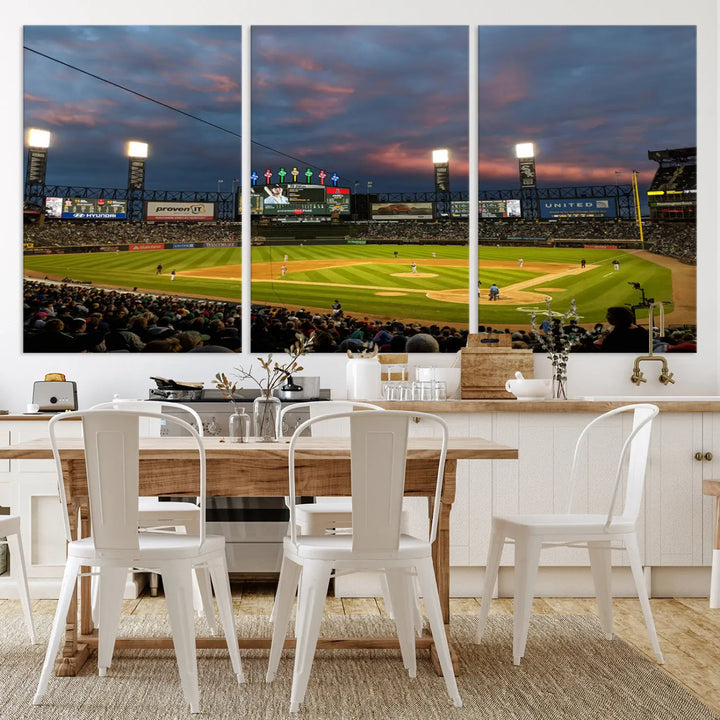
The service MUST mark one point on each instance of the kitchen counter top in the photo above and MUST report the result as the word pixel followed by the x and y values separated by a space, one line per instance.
pixel 594 404
pixel 573 405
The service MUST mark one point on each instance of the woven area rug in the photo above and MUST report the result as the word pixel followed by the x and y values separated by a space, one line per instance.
pixel 570 671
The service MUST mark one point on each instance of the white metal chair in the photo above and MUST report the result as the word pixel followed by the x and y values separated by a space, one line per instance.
pixel 10 530
pixel 154 514
pixel 111 441
pixel 378 442
pixel 596 532
pixel 335 513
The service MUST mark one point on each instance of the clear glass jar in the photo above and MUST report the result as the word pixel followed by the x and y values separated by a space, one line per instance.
pixel 239 426
pixel 266 418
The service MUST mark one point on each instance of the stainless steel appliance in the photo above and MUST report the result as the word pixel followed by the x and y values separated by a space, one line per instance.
pixel 254 528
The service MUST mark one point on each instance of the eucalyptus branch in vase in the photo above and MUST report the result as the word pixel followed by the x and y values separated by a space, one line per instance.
pixel 556 342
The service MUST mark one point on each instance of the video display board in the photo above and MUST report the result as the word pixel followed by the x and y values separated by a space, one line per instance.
pixel 488 208
pixel 402 211
pixel 338 200
pixel 179 211
pixel 280 199
pixel 581 207
pixel 85 208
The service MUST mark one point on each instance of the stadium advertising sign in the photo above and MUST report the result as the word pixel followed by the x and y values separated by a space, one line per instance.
pixel 582 207
pixel 85 208
pixel 146 246
pixel 402 211
pixel 487 208
pixel 179 211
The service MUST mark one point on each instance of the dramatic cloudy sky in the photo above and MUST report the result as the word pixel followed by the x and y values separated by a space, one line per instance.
pixel 369 103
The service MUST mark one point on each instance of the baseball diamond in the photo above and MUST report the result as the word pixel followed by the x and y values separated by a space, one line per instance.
pixel 370 280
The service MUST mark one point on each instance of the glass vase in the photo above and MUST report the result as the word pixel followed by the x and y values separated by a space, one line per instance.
pixel 239 427
pixel 559 387
pixel 266 417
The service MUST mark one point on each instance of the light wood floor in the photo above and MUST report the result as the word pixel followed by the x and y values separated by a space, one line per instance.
pixel 689 631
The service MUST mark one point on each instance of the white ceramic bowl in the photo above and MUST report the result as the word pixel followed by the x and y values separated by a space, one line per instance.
pixel 529 389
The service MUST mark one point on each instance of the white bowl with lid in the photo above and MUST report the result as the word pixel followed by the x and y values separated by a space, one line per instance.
pixel 530 388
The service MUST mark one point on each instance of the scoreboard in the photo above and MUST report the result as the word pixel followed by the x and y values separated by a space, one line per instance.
pixel 488 208
pixel 298 200
pixel 85 208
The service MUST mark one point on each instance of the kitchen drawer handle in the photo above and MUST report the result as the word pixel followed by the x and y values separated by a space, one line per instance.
pixel 698 456
pixel 708 456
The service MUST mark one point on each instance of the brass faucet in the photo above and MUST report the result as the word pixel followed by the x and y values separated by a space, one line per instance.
pixel 665 375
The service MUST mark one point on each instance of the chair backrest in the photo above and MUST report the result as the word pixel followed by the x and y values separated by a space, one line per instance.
pixel 318 408
pixel 111 439
pixel 378 450
pixel 156 407
pixel 633 456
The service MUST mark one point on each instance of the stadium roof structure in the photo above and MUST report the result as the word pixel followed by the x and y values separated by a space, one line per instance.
pixel 678 156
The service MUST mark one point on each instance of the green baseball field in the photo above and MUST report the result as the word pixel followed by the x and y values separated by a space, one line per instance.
pixel 370 280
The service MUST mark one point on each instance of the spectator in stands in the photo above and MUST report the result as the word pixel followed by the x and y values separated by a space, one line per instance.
pixel 422 343
pixel 625 336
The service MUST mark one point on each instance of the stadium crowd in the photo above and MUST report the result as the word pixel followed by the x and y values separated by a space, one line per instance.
pixel 70 318
pixel 677 240
pixel 67 234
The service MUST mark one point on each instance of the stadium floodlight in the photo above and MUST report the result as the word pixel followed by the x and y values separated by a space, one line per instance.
pixel 38 138
pixel 524 150
pixel 137 149
pixel 440 157
pixel 38 142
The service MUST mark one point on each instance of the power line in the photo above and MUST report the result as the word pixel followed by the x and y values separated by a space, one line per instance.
pixel 168 107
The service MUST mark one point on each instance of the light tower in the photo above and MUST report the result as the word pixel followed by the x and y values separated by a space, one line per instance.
pixel 529 200
pixel 441 165
pixel 38 142
pixel 137 153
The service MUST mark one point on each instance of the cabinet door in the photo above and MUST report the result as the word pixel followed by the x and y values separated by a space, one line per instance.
pixel 673 491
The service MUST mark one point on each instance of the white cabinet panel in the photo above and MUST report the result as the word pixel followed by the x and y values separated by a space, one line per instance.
pixel 674 491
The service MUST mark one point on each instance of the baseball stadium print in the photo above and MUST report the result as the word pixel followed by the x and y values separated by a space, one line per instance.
pixel 359 193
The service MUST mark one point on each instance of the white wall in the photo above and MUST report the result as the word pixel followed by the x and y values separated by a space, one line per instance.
pixel 99 376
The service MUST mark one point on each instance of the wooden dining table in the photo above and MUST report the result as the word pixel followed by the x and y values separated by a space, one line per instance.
pixel 169 466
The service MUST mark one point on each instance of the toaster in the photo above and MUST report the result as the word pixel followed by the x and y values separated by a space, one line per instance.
pixel 55 396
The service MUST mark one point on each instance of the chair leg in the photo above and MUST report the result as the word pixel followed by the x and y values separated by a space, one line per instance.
pixel 600 564
pixel 217 568
pixel 428 587
pixel 399 586
pixel 284 599
pixel 201 581
pixel 177 581
pixel 72 567
pixel 311 605
pixel 17 557
pixel 497 542
pixel 527 558
pixel 284 568
pixel 633 552
pixel 111 582
pixel 94 593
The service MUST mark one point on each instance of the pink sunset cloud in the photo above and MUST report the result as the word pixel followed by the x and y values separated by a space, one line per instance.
pixel 221 83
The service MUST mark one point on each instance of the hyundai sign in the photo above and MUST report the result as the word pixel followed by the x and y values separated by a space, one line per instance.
pixel 579 207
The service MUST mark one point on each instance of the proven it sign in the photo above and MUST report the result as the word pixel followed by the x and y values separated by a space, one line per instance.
pixel 175 211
